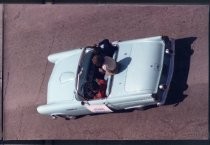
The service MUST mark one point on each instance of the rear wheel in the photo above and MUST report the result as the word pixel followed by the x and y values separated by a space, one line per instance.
pixel 68 117
pixel 146 107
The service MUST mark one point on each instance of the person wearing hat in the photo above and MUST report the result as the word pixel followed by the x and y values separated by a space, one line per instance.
pixel 106 64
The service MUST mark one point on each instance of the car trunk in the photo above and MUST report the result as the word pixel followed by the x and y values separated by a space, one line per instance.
pixel 140 66
pixel 144 70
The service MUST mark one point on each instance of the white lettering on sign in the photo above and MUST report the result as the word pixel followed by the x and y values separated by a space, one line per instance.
pixel 98 108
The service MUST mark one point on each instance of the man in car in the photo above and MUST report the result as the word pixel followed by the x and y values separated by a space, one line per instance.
pixel 104 48
pixel 95 89
pixel 106 65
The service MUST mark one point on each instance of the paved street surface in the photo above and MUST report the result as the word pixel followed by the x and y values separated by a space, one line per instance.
pixel 34 32
pixel 1 26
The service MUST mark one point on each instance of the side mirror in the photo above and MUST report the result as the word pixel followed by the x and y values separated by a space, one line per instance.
pixel 84 102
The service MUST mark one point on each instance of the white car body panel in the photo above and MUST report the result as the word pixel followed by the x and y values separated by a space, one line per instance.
pixel 61 84
pixel 131 88
pixel 142 70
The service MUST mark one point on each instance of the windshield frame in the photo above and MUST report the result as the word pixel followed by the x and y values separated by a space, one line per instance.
pixel 86 51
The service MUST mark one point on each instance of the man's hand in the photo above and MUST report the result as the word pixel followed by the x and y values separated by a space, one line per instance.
pixel 101 71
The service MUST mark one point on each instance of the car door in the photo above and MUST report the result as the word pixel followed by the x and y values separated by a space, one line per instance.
pixel 132 101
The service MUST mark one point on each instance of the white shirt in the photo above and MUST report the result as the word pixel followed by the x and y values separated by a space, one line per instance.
pixel 109 64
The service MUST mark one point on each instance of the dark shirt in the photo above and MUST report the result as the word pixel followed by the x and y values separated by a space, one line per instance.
pixel 107 48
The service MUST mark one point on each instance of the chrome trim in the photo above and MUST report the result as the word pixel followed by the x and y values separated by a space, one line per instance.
pixel 170 72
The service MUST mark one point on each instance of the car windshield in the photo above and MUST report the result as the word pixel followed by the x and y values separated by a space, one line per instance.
pixel 85 72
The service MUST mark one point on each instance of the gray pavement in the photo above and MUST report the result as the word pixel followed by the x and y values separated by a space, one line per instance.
pixel 34 32
pixel 1 33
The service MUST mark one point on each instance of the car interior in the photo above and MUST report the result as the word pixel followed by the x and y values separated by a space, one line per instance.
pixel 88 72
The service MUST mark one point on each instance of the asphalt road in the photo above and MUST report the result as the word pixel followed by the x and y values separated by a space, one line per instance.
pixel 1 26
pixel 34 32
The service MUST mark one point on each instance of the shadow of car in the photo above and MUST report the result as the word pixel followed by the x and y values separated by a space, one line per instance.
pixel 179 84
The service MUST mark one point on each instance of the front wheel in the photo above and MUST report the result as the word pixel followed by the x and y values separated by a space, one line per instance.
pixel 141 108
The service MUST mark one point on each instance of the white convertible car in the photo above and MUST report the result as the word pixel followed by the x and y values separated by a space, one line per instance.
pixel 147 69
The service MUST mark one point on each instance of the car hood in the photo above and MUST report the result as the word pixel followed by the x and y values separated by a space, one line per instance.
pixel 140 66
pixel 61 84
